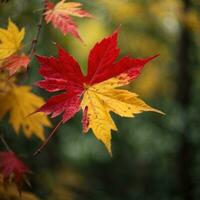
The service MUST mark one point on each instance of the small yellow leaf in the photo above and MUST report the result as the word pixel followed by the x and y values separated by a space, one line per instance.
pixel 101 99
pixel 21 102
pixel 10 40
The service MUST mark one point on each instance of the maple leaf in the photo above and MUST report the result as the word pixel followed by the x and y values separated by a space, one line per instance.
pixel 21 102
pixel 97 89
pixel 15 63
pixel 10 44
pixel 12 168
pixel 60 16
pixel 10 40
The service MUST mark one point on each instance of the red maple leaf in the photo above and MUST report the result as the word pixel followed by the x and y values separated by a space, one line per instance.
pixel 60 16
pixel 64 74
pixel 12 168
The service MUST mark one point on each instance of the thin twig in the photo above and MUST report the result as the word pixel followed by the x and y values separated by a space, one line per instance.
pixel 46 142
pixel 5 143
pixel 35 40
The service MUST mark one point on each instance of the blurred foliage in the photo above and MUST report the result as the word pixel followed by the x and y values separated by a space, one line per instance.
pixel 10 192
pixel 10 102
pixel 149 152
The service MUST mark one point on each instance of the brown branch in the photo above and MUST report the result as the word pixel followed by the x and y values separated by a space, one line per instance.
pixel 5 143
pixel 46 142
pixel 34 43
pixel 35 40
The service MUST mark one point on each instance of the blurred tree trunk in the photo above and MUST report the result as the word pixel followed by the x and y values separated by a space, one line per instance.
pixel 185 154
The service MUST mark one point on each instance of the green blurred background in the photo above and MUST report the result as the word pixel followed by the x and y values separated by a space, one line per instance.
pixel 154 157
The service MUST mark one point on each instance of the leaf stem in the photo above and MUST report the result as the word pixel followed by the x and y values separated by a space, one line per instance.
pixel 46 142
pixel 5 143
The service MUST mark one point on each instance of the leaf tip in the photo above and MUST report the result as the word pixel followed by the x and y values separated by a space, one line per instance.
pixel 158 111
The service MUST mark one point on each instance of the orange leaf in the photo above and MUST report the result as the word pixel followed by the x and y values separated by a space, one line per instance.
pixel 16 62
pixel 60 16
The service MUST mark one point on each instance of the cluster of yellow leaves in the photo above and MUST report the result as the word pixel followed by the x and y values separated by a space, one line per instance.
pixel 19 102
pixel 103 98
pixel 10 192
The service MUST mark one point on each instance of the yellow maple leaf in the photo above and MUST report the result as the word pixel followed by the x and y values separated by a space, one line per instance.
pixel 10 40
pixel 103 98
pixel 20 102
